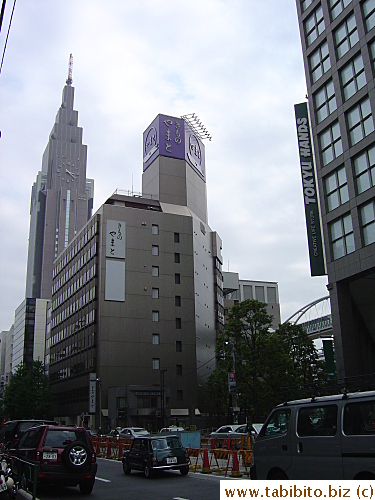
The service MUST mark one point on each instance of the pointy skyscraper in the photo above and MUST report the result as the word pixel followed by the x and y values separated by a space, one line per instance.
pixel 61 197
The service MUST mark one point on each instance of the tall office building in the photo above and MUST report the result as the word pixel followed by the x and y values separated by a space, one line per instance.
pixel 61 197
pixel 137 296
pixel 338 42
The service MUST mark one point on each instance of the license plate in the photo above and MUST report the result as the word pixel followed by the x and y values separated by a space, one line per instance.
pixel 49 455
pixel 172 460
pixel 3 486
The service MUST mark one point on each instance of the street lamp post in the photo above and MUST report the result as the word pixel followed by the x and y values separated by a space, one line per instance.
pixel 162 372
pixel 99 380
pixel 235 414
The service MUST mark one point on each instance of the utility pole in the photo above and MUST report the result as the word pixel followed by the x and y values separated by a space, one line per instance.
pixel 162 408
pixel 99 380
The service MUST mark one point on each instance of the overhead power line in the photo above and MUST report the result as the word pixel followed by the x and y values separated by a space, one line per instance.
pixel 10 24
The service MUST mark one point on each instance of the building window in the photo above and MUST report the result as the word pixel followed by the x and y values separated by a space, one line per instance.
pixel 155 339
pixel 360 122
pixel 319 62
pixel 337 6
pixel 177 278
pixel 346 36
pixel 176 237
pixel 305 4
pixel 342 237
pixel 364 166
pixel 353 77
pixel 177 300
pixel 155 293
pixel 330 143
pixel 325 101
pixel 178 323
pixel 177 258
pixel 336 188
pixel 369 13
pixel 179 395
pixel 156 364
pixel 155 271
pixel 155 250
pixel 155 316
pixel 368 223
pixel 155 229
pixel 372 50
pixel 178 346
pixel 179 370
pixel 314 25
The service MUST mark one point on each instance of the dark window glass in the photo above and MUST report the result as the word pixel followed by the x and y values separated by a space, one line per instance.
pixel 178 323
pixel 317 421
pixel 178 346
pixel 177 237
pixel 177 300
pixel 177 278
pixel 177 258
pixel 359 418
pixel 278 423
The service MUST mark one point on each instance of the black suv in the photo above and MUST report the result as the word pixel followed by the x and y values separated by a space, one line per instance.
pixel 64 455
pixel 153 453
pixel 12 431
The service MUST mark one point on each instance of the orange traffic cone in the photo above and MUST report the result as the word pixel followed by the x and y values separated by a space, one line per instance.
pixel 120 450
pixel 235 466
pixel 206 464
pixel 228 444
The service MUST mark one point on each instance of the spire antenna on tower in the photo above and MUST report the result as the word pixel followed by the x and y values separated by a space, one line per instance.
pixel 70 73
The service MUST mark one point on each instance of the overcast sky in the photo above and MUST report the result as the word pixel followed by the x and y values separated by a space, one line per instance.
pixel 237 64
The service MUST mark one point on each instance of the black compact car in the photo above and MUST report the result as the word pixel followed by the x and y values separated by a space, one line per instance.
pixel 156 453
pixel 65 456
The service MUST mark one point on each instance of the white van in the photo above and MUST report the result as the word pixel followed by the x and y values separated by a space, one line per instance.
pixel 330 437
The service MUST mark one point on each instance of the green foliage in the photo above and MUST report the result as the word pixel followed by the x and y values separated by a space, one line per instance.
pixel 28 394
pixel 265 361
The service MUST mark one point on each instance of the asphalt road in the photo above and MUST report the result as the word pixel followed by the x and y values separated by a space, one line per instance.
pixel 112 484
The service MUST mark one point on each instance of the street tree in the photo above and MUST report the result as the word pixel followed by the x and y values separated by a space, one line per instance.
pixel 28 394
pixel 308 369
pixel 245 340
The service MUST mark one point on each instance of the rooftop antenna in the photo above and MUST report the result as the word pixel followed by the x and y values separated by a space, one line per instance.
pixel 70 73
pixel 197 126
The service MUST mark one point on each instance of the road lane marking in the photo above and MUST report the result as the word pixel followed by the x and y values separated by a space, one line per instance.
pixel 104 480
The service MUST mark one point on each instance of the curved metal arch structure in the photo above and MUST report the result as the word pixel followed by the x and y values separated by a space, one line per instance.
pixel 309 307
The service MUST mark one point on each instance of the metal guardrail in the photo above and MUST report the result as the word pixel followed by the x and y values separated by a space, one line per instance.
pixel 26 474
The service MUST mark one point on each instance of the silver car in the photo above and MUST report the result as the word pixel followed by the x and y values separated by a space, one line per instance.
pixel 132 432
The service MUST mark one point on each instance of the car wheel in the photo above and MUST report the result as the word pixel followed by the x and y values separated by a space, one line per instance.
pixel 147 471
pixel 86 487
pixel 76 455
pixel 184 471
pixel 278 475
pixel 127 470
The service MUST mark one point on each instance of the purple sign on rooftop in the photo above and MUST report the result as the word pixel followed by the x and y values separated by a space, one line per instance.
pixel 172 137
pixel 165 136
pixel 194 152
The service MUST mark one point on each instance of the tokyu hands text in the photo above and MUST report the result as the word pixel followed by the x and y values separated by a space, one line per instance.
pixel 298 489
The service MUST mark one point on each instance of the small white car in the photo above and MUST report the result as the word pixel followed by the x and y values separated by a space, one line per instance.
pixel 132 432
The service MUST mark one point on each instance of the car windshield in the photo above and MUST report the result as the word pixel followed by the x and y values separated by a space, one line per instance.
pixel 173 443
pixel 159 444
pixel 61 438
pixel 139 430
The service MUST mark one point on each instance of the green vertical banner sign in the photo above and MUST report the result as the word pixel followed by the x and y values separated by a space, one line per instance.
pixel 310 194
